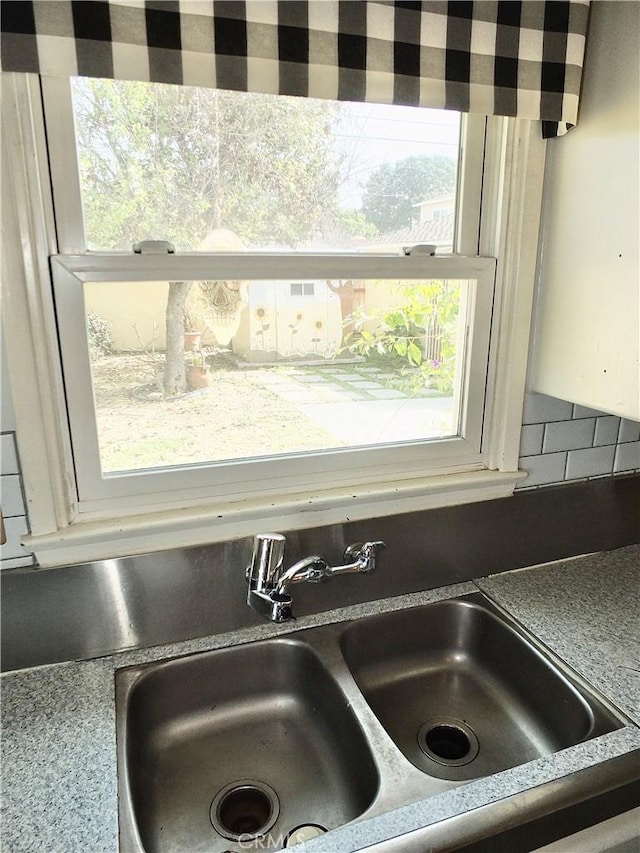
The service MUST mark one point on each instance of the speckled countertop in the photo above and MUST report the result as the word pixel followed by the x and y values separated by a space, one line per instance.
pixel 59 791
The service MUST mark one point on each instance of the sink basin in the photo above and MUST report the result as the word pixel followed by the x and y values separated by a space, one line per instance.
pixel 257 746
pixel 463 692
pixel 243 743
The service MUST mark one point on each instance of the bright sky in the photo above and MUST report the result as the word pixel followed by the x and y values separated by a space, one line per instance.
pixel 372 134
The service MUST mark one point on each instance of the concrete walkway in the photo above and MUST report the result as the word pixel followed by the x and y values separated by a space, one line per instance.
pixel 357 406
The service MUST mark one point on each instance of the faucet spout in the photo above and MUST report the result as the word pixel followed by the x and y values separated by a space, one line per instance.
pixel 269 582
pixel 312 569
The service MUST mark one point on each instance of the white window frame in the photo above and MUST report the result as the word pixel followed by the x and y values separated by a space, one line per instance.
pixel 282 475
pixel 65 529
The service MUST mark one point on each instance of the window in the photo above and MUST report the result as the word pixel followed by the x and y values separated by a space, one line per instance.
pixel 320 363
pixel 305 288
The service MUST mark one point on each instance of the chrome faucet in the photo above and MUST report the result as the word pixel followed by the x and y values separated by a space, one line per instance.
pixel 269 582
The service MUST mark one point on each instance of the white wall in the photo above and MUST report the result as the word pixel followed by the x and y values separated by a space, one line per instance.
pixel 587 339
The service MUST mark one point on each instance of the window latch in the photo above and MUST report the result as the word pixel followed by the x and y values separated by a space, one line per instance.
pixel 419 249
pixel 154 247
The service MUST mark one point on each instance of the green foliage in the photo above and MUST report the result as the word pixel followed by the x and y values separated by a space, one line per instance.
pixel 396 338
pixel 172 162
pixel 393 189
pixel 99 334
pixel 353 223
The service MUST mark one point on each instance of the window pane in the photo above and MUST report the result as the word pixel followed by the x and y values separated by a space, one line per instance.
pixel 253 370
pixel 273 172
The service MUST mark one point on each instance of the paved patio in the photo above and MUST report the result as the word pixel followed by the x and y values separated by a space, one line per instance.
pixel 357 405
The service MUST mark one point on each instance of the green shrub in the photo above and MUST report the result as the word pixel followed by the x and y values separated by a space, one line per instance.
pixel 397 339
pixel 99 333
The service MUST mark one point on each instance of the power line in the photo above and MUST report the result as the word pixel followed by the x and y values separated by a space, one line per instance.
pixel 396 139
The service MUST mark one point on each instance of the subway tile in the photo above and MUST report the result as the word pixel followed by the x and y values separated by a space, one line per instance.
pixel 629 431
pixel 11 495
pixel 606 431
pixel 8 454
pixel 531 440
pixel 541 470
pixel 584 412
pixel 590 462
pixel 627 457
pixel 540 409
pixel 7 418
pixel 15 528
pixel 568 435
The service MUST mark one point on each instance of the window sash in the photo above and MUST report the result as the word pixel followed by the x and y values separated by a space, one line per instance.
pixel 65 176
pixel 281 474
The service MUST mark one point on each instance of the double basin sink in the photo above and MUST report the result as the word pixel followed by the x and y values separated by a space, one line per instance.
pixel 262 745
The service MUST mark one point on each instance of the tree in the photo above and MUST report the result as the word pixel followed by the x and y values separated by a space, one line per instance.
pixel 393 189
pixel 346 227
pixel 175 162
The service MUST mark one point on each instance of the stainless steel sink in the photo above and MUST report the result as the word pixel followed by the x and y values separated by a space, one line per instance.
pixel 236 749
pixel 246 742
pixel 463 693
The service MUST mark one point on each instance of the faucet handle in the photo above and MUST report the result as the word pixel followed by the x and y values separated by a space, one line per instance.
pixel 364 553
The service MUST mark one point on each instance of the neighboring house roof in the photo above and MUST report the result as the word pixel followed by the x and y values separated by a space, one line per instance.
pixel 436 200
pixel 436 231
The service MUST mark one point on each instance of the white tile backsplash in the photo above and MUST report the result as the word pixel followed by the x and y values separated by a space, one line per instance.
pixel 531 439
pixel 8 454
pixel 540 409
pixel 606 430
pixel 627 457
pixel 544 469
pixel 629 431
pixel 584 412
pixel 576 442
pixel 568 435
pixel 16 524
pixel 589 462
pixel 11 495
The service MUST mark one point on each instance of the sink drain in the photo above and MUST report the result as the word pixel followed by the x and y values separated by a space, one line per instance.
pixel 305 832
pixel 448 741
pixel 244 810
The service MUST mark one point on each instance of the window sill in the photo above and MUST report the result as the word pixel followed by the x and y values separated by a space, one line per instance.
pixel 84 541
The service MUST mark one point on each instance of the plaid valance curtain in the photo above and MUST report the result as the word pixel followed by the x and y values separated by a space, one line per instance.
pixel 496 57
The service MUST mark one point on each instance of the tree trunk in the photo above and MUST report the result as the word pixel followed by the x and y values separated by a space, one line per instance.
pixel 175 381
pixel 351 298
